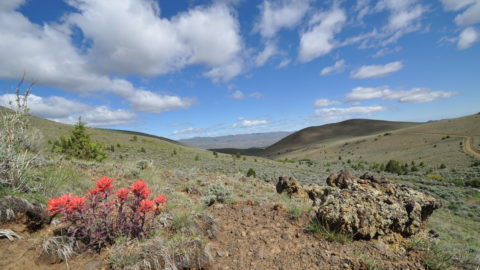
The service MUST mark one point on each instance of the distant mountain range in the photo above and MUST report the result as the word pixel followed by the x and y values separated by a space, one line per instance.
pixel 255 140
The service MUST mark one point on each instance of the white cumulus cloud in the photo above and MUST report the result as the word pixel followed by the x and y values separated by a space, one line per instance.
pixel 276 15
pixel 372 71
pixel 120 38
pixel 319 39
pixel 467 38
pixel 67 111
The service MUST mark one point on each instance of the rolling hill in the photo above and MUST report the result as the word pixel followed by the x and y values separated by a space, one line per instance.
pixel 332 132
pixel 453 142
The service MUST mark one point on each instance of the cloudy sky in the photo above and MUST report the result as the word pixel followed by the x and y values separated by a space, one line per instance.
pixel 188 68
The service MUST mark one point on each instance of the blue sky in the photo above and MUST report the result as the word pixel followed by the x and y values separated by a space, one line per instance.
pixel 205 68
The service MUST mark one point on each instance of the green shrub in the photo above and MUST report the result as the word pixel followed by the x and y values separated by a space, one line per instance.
pixel 473 183
pixel 79 145
pixel 142 150
pixel 394 166
pixel 217 193
pixel 251 173
pixel 434 176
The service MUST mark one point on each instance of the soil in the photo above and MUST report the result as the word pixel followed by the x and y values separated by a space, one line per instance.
pixel 254 236
pixel 249 235
pixel 23 254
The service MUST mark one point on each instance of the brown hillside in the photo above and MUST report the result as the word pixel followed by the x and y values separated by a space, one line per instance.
pixel 342 130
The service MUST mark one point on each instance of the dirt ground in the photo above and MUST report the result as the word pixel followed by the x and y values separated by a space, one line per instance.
pixel 254 236
pixel 249 236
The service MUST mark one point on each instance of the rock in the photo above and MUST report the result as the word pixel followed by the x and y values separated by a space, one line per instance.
pixel 291 186
pixel 15 208
pixel 372 209
pixel 341 180
pixel 285 236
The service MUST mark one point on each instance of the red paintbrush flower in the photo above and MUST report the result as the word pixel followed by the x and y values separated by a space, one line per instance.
pixel 122 194
pixel 140 189
pixel 75 204
pixel 146 206
pixel 104 184
pixel 56 205
pixel 160 200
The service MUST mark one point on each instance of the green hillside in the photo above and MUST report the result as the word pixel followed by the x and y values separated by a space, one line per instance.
pixel 332 132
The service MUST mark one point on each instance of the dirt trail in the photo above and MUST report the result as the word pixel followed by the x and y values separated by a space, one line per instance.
pixel 468 146
pixel 254 236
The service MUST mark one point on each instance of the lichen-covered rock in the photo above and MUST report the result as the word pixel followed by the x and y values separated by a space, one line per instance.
pixel 291 186
pixel 368 207
pixel 371 207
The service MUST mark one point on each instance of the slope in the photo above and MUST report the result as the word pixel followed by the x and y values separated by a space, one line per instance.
pixel 336 131
pixel 452 142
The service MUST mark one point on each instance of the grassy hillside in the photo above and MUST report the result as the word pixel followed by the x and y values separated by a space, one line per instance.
pixel 433 143
pixel 331 132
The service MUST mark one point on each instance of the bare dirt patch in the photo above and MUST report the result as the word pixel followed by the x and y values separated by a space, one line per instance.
pixel 255 236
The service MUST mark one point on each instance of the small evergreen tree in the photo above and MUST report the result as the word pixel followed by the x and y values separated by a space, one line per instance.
pixel 251 173
pixel 79 145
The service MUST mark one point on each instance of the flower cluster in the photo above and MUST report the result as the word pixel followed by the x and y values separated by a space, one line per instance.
pixel 98 218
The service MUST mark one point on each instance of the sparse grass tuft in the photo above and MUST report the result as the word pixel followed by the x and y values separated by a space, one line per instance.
pixel 326 231
pixel 60 247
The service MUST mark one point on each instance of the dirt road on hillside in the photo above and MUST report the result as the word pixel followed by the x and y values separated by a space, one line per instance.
pixel 468 145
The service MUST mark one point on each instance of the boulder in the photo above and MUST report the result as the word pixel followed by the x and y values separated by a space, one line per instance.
pixel 291 186
pixel 371 207
pixel 367 207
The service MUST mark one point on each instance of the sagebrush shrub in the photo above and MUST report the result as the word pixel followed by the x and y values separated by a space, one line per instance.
pixel 217 193
pixel 142 164
pixel 104 214
pixel 18 143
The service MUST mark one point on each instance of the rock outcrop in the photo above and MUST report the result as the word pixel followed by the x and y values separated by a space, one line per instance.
pixel 370 207
pixel 291 186
pixel 15 208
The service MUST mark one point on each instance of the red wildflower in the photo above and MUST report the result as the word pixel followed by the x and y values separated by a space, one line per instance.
pixel 105 184
pixel 75 203
pixel 146 206
pixel 57 205
pixel 140 189
pixel 122 194
pixel 160 200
